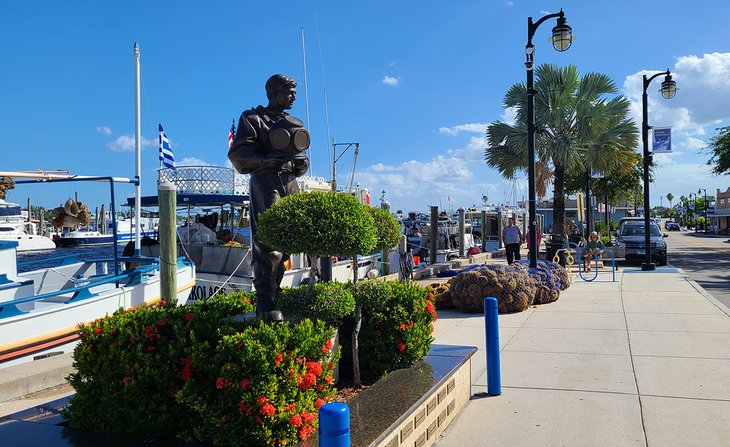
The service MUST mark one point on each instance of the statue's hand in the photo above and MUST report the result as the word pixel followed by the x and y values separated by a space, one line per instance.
pixel 301 164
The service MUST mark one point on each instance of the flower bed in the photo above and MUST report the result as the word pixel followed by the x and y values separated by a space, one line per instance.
pixel 396 327
pixel 194 373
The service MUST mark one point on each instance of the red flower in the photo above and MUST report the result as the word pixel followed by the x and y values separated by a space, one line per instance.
pixel 328 379
pixel 401 346
pixel 279 358
pixel 163 303
pixel 430 296
pixel 319 402
pixel 431 310
pixel 403 326
pixel 189 316
pixel 308 418
pixel 309 380
pixel 244 384
pixel 304 432
pixel 150 348
pixel 187 370
pixel 243 408
pixel 262 399
pixel 315 368
pixel 327 347
pixel 97 330
pixel 295 420
pixel 126 381
pixel 290 407
pixel 268 410
pixel 219 382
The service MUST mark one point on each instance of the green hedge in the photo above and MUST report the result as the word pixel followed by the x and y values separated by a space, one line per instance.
pixel 193 373
pixel 396 327
pixel 328 301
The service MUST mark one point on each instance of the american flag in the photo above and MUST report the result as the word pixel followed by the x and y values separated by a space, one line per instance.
pixel 167 159
pixel 232 133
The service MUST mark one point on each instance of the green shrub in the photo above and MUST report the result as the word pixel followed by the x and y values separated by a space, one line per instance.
pixel 318 224
pixel 191 372
pixel 330 301
pixel 396 326
pixel 387 228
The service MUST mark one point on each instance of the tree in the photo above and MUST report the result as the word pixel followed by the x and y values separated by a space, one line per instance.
pixel 670 197
pixel 329 224
pixel 579 128
pixel 719 149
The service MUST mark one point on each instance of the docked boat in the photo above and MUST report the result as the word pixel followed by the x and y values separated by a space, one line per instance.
pixel 84 237
pixel 40 309
pixel 17 228
pixel 225 268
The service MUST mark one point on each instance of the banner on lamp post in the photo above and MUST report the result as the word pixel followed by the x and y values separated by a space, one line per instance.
pixel 662 140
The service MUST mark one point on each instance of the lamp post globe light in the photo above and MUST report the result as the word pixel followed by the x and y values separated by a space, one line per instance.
pixel 562 38
pixel 668 90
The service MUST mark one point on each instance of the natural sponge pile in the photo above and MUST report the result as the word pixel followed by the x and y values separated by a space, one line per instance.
pixel 513 287
pixel 442 295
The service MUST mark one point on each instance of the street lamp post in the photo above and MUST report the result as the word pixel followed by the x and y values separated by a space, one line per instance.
pixel 561 39
pixel 668 90
pixel 704 207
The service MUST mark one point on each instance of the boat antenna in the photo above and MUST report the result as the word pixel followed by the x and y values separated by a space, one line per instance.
pixel 306 100
pixel 326 108
pixel 138 152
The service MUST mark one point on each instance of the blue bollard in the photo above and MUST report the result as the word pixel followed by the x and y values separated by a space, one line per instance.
pixel 334 425
pixel 491 327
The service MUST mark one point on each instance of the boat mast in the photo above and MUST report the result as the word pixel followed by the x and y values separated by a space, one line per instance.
pixel 138 153
pixel 306 101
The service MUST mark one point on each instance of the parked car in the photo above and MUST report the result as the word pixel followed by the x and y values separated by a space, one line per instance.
pixel 630 243
pixel 671 226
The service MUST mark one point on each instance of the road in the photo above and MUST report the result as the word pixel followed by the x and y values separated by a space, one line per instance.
pixel 706 259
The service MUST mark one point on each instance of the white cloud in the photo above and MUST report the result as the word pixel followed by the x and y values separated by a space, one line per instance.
pixel 125 143
pixel 192 161
pixel 704 92
pixel 391 81
pixel 480 128
pixel 392 63
pixel 106 130
pixel 694 143
pixel 510 3
pixel 509 115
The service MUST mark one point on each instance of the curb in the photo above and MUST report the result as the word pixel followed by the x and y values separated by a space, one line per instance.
pixel 26 378
pixel 705 293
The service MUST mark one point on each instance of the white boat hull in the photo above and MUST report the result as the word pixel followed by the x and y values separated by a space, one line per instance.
pixel 48 326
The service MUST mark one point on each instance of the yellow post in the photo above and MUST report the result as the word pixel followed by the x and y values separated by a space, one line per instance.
pixel 167 198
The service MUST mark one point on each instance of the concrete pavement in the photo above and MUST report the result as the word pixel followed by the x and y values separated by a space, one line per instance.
pixel 643 361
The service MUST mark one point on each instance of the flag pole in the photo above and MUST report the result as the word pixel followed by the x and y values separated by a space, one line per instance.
pixel 138 153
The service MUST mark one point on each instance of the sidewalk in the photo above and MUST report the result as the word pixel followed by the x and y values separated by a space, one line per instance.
pixel 643 361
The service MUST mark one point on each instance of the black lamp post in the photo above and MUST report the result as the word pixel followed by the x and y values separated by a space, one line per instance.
pixel 668 90
pixel 704 207
pixel 561 39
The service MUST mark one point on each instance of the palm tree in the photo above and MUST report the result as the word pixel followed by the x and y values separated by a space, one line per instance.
pixel 578 128
pixel 670 197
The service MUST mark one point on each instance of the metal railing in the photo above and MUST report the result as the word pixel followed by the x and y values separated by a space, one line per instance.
pixel 217 180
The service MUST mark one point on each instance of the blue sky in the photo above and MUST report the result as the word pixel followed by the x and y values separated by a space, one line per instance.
pixel 415 83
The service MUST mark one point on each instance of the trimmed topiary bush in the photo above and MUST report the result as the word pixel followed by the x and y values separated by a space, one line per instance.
pixel 330 301
pixel 194 373
pixel 318 224
pixel 388 230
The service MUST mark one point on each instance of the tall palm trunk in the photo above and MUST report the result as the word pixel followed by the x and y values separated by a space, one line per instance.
pixel 559 203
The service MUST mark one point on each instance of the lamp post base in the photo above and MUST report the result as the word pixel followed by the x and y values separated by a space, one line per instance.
pixel 648 266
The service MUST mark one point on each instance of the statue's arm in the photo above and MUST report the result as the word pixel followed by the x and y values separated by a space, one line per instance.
pixel 247 153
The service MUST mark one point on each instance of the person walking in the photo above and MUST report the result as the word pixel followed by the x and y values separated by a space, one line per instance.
pixel 512 238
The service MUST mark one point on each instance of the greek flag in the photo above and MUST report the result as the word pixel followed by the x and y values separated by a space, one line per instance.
pixel 167 159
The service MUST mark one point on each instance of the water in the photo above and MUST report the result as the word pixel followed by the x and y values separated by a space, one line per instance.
pixel 49 258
